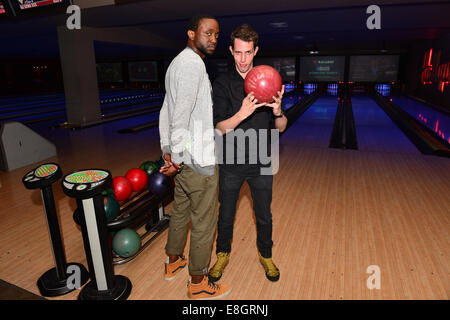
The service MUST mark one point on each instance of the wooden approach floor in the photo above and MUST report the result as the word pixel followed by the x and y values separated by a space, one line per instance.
pixel 335 213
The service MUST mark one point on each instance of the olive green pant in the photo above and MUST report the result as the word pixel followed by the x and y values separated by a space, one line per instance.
pixel 195 200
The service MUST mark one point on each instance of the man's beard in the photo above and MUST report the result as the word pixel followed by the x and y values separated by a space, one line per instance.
pixel 204 50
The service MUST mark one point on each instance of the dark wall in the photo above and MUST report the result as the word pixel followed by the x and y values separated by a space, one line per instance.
pixel 23 76
pixel 30 76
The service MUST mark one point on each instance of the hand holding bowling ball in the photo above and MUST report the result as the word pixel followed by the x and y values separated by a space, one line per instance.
pixel 276 105
pixel 265 83
pixel 249 105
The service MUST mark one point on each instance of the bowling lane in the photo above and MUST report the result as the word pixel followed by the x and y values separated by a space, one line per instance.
pixel 436 121
pixel 53 115
pixel 290 100
pixel 375 130
pixel 123 107
pixel 314 127
pixel 97 135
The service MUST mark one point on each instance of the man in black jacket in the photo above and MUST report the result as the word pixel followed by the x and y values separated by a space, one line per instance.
pixel 238 115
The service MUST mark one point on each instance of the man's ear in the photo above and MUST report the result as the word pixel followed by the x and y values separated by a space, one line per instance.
pixel 256 50
pixel 191 34
pixel 231 49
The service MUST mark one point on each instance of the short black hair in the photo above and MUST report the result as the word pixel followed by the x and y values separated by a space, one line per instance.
pixel 195 20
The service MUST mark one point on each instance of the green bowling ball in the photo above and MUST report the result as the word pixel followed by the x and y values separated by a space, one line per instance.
pixel 160 161
pixel 109 193
pixel 150 167
pixel 126 242
pixel 112 207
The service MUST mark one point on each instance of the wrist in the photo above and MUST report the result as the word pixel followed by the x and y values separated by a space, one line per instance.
pixel 278 113
pixel 178 167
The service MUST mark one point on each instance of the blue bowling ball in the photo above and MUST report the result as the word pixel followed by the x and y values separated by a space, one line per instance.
pixel 159 184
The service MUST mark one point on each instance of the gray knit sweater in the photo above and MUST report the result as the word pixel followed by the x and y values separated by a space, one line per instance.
pixel 186 118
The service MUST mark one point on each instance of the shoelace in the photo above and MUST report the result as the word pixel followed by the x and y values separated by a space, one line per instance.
pixel 210 284
pixel 213 285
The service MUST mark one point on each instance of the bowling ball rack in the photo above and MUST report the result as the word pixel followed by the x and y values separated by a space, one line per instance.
pixel 144 208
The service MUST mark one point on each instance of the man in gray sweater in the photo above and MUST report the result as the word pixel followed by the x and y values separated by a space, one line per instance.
pixel 187 140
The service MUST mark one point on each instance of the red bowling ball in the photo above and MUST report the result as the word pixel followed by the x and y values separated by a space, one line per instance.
pixel 122 188
pixel 138 179
pixel 264 81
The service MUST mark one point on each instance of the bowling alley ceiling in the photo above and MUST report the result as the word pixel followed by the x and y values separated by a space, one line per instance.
pixel 285 26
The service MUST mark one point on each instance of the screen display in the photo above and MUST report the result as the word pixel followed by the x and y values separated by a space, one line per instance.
pixel 373 68
pixel 109 72
pixel 322 68
pixel 2 8
pixel 26 4
pixel 143 71
pixel 285 66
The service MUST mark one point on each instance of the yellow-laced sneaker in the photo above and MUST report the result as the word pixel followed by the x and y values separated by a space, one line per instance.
pixel 215 273
pixel 207 290
pixel 171 270
pixel 272 272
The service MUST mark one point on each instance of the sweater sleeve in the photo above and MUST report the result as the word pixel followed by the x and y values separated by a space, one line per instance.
pixel 187 82
pixel 164 127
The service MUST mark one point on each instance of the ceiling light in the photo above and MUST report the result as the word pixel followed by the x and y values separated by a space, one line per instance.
pixel 279 25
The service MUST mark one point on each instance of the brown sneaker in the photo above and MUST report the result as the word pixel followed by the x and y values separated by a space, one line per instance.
pixel 171 270
pixel 207 290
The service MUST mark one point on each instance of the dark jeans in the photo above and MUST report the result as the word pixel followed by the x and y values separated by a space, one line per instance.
pixel 261 190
